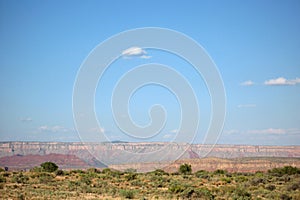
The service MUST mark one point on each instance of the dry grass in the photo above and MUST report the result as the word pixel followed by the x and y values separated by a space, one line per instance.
pixel 109 184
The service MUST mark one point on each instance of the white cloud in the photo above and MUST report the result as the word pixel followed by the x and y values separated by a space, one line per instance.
pixel 232 131
pixel 282 81
pixel 269 131
pixel 247 83
pixel 167 136
pixel 135 52
pixel 174 131
pixel 97 130
pixel 53 129
pixel 246 106
pixel 274 131
pixel 27 119
pixel 171 133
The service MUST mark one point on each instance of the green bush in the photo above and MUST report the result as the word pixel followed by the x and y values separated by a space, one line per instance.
pixel 293 186
pixel 203 193
pixel 220 171
pixel 128 194
pixel 202 174
pixel 86 180
pixel 197 193
pixel 20 178
pixel 226 179
pixel 130 176
pixel 59 172
pixel 289 170
pixel 106 171
pixel 36 169
pixel 270 187
pixel 159 172
pixel 177 187
pixel 256 181
pixel 45 178
pixel 185 169
pixel 2 179
pixel 241 193
pixel 49 167
pixel 285 197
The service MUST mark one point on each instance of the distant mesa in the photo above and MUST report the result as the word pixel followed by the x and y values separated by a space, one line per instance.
pixel 67 155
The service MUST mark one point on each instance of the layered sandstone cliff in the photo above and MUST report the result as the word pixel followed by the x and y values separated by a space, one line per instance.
pixel 104 154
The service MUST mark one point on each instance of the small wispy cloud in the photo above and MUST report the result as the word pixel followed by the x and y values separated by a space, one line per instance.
pixel 171 134
pixel 247 83
pixel 174 131
pixel 166 136
pixel 97 130
pixel 246 106
pixel 282 81
pixel 268 131
pixel 53 129
pixel 232 131
pixel 135 52
pixel 26 119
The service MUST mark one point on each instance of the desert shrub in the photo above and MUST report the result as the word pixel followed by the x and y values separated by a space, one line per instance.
pixel 45 178
pixel 128 194
pixel 289 170
pixel 36 169
pixel 241 179
pixel 106 171
pixel 1 169
pixel 85 189
pixel 256 181
pixel 73 185
pixel 285 178
pixel 49 167
pixel 85 180
pixel 130 176
pixel 220 171
pixel 77 171
pixel 293 186
pixel 159 172
pixel 21 197
pixel 2 179
pixel 59 172
pixel 176 187
pixel 113 173
pixel 6 174
pixel 92 170
pixel 285 197
pixel 202 174
pixel 20 178
pixel 185 169
pixel 137 183
pixel 270 187
pixel 197 193
pixel 259 174
pixel 241 193
pixel 226 179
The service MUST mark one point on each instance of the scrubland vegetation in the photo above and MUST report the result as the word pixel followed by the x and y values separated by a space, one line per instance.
pixel 48 182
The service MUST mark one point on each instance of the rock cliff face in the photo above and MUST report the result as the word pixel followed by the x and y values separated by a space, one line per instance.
pixel 212 164
pixel 20 162
pixel 104 154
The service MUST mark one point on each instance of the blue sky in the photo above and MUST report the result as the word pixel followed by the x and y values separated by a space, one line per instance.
pixel 255 45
